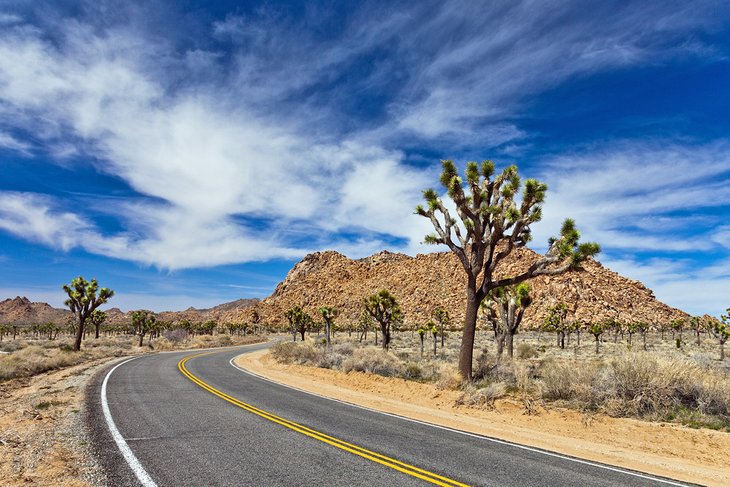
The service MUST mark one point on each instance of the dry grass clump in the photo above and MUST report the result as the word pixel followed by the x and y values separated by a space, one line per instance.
pixel 44 355
pixel 449 378
pixel 35 359
pixel 483 397
pixel 641 385
pixel 375 361
pixel 296 353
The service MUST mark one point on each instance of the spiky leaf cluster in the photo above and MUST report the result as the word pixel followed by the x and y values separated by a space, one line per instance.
pixel 493 219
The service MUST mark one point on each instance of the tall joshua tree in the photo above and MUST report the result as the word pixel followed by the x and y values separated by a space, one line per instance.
pixel 492 223
pixel 384 309
pixel 329 313
pixel 83 298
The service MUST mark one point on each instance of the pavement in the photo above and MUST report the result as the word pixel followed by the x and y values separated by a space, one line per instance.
pixel 190 429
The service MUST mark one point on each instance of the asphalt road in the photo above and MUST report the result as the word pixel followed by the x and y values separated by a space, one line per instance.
pixel 183 434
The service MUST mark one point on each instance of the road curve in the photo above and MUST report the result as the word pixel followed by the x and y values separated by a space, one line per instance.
pixel 207 423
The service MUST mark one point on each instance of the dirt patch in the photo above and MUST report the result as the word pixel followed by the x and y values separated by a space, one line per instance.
pixel 668 450
pixel 42 434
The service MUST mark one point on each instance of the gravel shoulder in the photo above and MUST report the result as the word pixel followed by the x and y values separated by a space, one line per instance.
pixel 43 437
pixel 662 449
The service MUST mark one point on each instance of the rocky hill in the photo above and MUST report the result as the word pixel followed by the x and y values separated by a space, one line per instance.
pixel 21 311
pixel 425 282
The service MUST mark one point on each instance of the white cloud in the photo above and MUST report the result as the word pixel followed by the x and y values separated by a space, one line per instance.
pixel 610 191
pixel 7 141
pixel 693 288
pixel 473 62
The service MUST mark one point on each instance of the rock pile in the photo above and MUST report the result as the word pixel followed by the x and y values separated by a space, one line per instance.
pixel 425 282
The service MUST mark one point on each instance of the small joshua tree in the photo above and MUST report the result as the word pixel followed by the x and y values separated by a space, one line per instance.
pixel 421 334
pixel 721 331
pixel 677 327
pixel 365 321
pixel 492 224
pixel 435 332
pixel 143 322
pixel 329 313
pixel 299 321
pixel 83 301
pixel 443 319
pixel 555 322
pixel 384 309
pixel 597 329
pixel 695 323
pixel 97 318
pixel 511 303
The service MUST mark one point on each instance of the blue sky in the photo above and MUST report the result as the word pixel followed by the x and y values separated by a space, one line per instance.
pixel 189 154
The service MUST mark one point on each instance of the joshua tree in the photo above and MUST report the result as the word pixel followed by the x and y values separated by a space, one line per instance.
pixel 677 326
pixel 492 224
pixel 511 303
pixel 597 329
pixel 435 332
pixel 82 301
pixel 293 316
pixel 695 323
pixel 143 322
pixel 638 327
pixel 364 323
pixel 555 322
pixel 443 319
pixel 384 309
pixel 329 313
pixel 97 318
pixel 299 321
pixel 721 331
pixel 421 334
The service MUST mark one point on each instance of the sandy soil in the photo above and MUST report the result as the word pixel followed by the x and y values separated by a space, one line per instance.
pixel 42 435
pixel 663 449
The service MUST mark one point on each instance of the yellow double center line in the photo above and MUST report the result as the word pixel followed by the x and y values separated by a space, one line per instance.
pixel 342 445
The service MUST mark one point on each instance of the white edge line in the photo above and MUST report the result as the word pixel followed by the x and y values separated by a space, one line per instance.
pixel 466 433
pixel 132 461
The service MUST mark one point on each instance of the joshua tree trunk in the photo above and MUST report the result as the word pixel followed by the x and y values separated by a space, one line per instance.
pixel 79 332
pixel 598 345
pixel 376 337
pixel 422 337
pixel 643 337
pixel 510 344
pixel 141 337
pixel 470 323
pixel 435 343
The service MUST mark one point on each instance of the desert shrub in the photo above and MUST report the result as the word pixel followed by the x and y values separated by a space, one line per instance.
pixel 225 340
pixel 344 348
pixel 10 346
pixel 176 335
pixel 412 371
pixel 565 381
pixel 296 353
pixel 525 351
pixel 34 360
pixel 449 378
pixel 483 397
pixel 374 360
pixel 163 343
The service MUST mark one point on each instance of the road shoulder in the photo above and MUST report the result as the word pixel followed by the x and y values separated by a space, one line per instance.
pixel 667 450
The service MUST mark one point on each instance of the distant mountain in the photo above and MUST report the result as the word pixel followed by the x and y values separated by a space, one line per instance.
pixel 425 282
pixel 21 311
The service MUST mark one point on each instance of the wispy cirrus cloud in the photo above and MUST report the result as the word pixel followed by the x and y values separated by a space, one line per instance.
pixel 269 138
